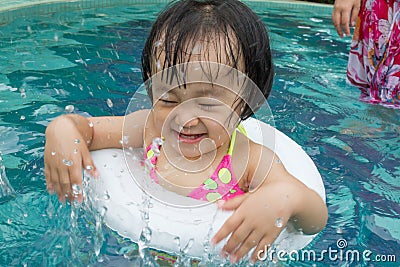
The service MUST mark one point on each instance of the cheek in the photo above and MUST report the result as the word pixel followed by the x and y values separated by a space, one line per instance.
pixel 159 117
pixel 219 133
pixel 162 116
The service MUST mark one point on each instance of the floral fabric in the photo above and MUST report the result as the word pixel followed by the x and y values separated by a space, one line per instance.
pixel 374 59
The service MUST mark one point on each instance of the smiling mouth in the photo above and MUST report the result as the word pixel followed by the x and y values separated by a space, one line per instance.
pixel 190 138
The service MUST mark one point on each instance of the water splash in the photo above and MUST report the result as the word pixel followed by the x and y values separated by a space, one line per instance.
pixel 6 190
pixel 208 257
pixel 146 259
pixel 76 235
pixel 182 259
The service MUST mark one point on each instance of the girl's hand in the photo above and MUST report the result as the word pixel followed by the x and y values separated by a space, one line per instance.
pixel 344 13
pixel 258 219
pixel 66 153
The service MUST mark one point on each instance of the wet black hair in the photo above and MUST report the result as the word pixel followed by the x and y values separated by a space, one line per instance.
pixel 245 42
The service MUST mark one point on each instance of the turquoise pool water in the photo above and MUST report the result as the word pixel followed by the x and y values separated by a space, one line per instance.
pixel 90 58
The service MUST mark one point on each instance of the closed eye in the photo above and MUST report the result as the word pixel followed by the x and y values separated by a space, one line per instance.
pixel 168 102
pixel 208 107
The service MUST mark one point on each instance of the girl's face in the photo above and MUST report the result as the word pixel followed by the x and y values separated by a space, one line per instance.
pixel 197 119
pixel 196 103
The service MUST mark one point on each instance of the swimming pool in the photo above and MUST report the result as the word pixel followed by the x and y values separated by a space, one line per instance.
pixel 89 57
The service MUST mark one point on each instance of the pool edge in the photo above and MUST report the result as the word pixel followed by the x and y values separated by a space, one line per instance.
pixel 10 11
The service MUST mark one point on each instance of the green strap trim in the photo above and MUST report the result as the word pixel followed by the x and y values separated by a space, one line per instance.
pixel 241 129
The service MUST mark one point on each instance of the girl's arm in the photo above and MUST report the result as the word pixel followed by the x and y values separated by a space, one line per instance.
pixel 305 208
pixel 275 197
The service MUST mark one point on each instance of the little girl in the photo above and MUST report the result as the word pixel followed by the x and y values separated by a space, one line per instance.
pixel 207 66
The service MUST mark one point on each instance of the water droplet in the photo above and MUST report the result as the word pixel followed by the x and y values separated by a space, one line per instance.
pixel 22 92
pixel 89 168
pixel 125 139
pixel 53 153
pixel 77 141
pixel 339 230
pixel 109 103
pixel 22 117
pixel 114 155
pixel 67 162
pixel 69 108
pixel 313 119
pixel 106 195
pixel 75 151
pixel 279 222
pixel 56 37
pixel 111 76
pixel 90 124
pixel 29 29
pixel 158 43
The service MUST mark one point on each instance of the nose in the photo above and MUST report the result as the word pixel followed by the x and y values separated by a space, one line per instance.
pixel 186 119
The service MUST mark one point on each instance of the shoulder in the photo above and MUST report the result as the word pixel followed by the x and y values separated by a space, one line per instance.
pixel 263 164
pixel 256 158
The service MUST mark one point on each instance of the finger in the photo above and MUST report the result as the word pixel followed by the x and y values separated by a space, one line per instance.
pixel 261 250
pixel 75 177
pixel 251 241
pixel 49 184
pixel 232 203
pixel 88 164
pixel 56 182
pixel 346 23
pixel 228 227
pixel 237 237
pixel 336 18
pixel 65 185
